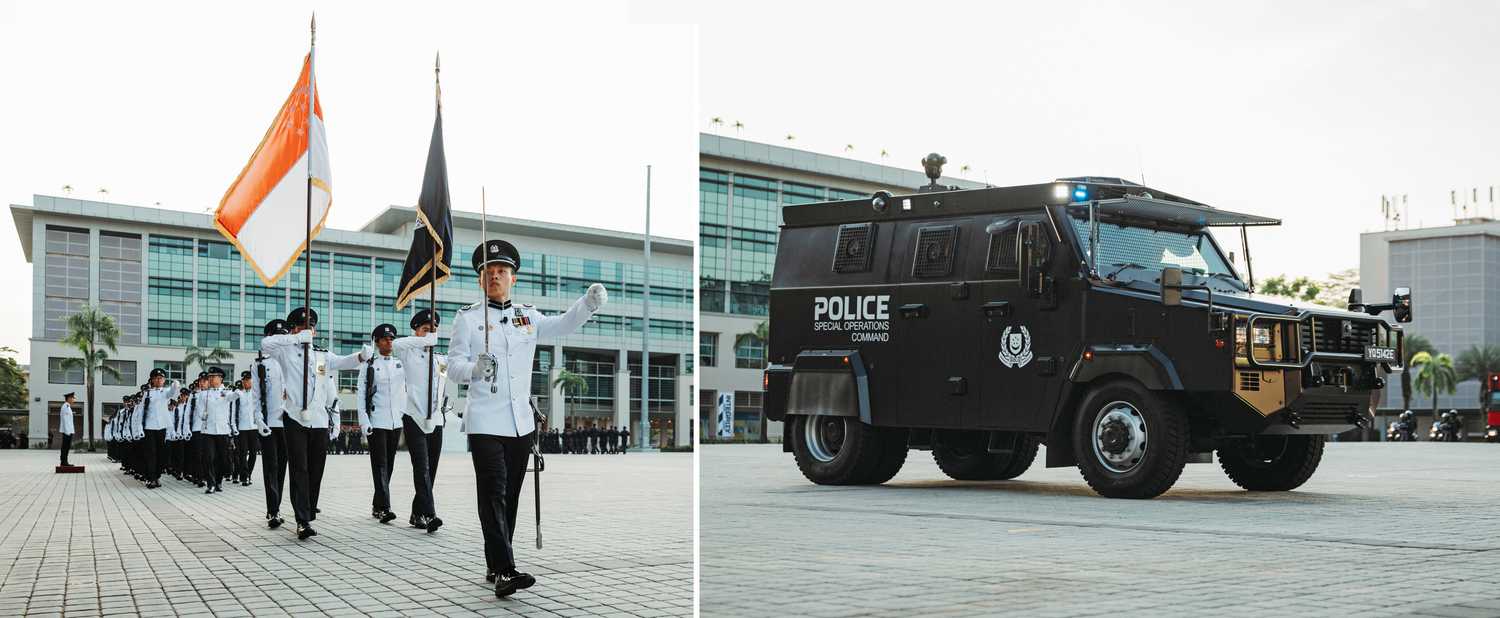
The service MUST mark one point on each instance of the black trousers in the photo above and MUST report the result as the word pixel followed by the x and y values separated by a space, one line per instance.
pixel 273 468
pixel 214 458
pixel 434 451
pixel 67 445
pixel 499 473
pixel 154 452
pixel 382 461
pixel 421 476
pixel 248 442
pixel 306 453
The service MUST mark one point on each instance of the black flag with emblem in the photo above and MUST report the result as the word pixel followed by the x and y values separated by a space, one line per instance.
pixel 432 243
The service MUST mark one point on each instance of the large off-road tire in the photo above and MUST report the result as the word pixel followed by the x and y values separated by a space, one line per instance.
pixel 1271 463
pixel 841 450
pixel 1130 442
pixel 964 456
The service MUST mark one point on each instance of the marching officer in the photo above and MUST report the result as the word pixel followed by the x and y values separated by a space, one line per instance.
pixel 381 396
pixel 311 427
pixel 156 418
pixel 268 398
pixel 493 344
pixel 213 421
pixel 423 423
pixel 245 439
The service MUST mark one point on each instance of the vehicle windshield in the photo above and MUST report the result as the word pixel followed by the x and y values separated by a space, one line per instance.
pixel 1127 247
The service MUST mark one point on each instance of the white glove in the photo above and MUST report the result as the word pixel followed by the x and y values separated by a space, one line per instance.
pixel 305 336
pixel 263 429
pixel 366 429
pixel 366 352
pixel 595 297
pixel 430 340
pixel 487 367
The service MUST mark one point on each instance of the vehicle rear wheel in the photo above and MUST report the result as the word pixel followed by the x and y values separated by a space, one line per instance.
pixel 1271 463
pixel 965 456
pixel 841 450
pixel 1130 442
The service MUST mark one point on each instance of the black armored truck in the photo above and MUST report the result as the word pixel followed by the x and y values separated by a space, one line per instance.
pixel 1093 315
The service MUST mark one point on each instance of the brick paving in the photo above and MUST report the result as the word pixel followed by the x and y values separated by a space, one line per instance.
pixel 617 531
pixel 1380 530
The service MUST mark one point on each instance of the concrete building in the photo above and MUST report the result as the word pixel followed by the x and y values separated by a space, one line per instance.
pixel 1454 276
pixel 171 282
pixel 742 187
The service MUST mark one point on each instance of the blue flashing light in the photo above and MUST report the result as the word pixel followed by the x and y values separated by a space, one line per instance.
pixel 1080 193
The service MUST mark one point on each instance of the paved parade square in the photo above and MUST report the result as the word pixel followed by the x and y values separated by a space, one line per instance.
pixel 1380 530
pixel 617 531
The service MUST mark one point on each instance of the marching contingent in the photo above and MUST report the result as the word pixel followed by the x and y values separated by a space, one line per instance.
pixel 210 430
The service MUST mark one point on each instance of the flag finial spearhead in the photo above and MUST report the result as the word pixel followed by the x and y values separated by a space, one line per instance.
pixel 313 28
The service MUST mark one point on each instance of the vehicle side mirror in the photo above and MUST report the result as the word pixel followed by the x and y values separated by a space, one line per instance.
pixel 1401 305
pixel 1171 286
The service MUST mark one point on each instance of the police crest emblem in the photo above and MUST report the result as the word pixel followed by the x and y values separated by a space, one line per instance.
pixel 1015 347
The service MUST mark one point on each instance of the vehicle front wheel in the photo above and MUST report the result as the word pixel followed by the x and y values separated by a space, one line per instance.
pixel 841 450
pixel 1130 442
pixel 1271 463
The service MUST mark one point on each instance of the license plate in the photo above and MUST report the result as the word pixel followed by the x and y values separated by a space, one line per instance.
pixel 1380 354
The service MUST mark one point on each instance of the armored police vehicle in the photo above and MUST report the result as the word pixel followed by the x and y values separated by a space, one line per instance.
pixel 1093 315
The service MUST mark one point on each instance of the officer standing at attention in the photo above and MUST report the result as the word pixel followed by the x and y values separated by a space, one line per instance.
pixel 310 428
pixel 381 397
pixel 266 393
pixel 423 430
pixel 65 426
pixel 493 345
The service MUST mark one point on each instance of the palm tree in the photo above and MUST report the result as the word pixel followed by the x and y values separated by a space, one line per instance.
pixel 790 137
pixel 963 169
pixel 848 147
pixel 67 189
pixel 716 121
pixel 1412 345
pixel 570 384
pixel 203 357
pixel 884 154
pixel 763 332
pixel 1435 375
pixel 1477 363
pixel 88 330
pixel 737 126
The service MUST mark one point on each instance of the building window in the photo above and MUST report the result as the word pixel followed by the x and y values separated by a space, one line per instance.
pixel 175 370
pixel 598 371
pixel 66 287
pixel 124 367
pixel 708 349
pixel 663 386
pixel 747 408
pixel 169 291
pixel 56 374
pixel 349 381
pixel 120 292
pixel 749 352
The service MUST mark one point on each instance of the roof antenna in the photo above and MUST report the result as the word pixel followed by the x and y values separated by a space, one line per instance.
pixel 1140 163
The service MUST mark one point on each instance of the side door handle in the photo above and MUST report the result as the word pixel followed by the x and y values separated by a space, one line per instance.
pixel 913 310
pixel 996 308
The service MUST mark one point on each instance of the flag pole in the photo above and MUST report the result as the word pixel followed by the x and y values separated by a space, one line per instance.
pixel 307 247
pixel 437 82
pixel 645 435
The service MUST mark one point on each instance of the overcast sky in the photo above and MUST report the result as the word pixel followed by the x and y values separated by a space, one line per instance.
pixel 1305 111
pixel 557 110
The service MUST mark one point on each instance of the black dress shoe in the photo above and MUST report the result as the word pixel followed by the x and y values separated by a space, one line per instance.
pixel 490 576
pixel 387 517
pixel 273 522
pixel 305 531
pixel 508 583
pixel 209 490
pixel 375 514
pixel 433 524
pixel 416 522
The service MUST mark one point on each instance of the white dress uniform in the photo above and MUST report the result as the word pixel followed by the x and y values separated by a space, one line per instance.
pixel 413 353
pixel 321 388
pixel 388 403
pixel 138 420
pixel 270 417
pixel 157 417
pixel 515 331
pixel 65 419
pixel 213 411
